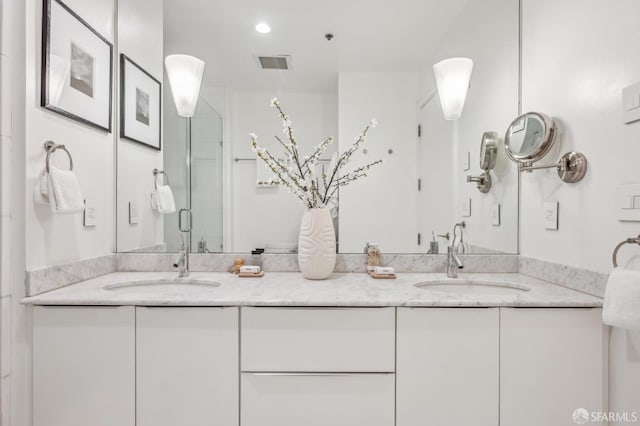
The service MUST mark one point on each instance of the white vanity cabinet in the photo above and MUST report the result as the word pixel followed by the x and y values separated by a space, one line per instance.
pixel 506 366
pixel 83 366
pixel 318 366
pixel 447 366
pixel 187 366
pixel 552 361
pixel 292 366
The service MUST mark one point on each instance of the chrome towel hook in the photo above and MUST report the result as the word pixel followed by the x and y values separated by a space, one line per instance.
pixel 51 147
pixel 627 241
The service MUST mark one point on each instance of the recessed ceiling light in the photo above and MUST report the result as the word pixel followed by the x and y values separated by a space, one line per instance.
pixel 263 28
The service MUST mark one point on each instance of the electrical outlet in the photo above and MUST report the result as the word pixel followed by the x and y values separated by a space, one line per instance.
pixel 631 103
pixel 465 208
pixel 495 215
pixel 466 161
pixel 551 215
pixel 133 212
pixel 90 214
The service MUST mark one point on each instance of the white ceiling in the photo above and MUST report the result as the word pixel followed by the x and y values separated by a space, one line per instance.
pixel 370 35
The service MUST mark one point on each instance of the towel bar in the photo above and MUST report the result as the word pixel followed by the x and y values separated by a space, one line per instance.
pixel 157 172
pixel 51 147
pixel 627 241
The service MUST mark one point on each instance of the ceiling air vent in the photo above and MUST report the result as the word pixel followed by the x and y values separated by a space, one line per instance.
pixel 274 62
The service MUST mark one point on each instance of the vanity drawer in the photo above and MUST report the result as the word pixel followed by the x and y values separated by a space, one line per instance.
pixel 318 339
pixel 320 399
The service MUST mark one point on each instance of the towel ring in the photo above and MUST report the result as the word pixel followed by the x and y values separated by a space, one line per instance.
pixel 51 147
pixel 157 172
pixel 627 241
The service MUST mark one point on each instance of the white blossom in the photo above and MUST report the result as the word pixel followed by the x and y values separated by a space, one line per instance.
pixel 373 123
pixel 300 173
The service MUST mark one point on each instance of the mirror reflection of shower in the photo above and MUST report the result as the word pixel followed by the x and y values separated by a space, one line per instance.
pixel 193 148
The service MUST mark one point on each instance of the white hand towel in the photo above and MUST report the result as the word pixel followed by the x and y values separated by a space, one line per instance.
pixel 164 202
pixel 64 191
pixel 622 299
pixel 41 190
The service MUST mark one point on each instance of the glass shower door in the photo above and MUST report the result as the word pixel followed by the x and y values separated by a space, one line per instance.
pixel 193 159
pixel 206 179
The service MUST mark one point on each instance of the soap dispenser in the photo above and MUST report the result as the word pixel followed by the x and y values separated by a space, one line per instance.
pixel 434 247
pixel 202 245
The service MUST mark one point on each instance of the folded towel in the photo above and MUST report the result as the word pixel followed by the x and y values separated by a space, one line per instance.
pixel 162 200
pixel 64 191
pixel 41 190
pixel 622 300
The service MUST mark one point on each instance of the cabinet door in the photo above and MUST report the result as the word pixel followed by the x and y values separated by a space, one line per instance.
pixel 187 366
pixel 317 399
pixel 83 366
pixel 551 363
pixel 447 366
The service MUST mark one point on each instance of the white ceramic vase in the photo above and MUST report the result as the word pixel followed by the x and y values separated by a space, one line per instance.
pixel 317 244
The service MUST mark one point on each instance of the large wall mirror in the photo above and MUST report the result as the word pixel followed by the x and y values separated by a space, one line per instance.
pixel 377 63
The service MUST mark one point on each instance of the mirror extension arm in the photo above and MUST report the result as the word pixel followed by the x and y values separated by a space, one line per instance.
pixel 572 167
pixel 483 182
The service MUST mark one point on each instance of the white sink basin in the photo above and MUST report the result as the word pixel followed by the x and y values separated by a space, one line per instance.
pixel 472 287
pixel 174 285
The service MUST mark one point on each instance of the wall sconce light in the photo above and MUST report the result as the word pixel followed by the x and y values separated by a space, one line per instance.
pixel 452 80
pixel 185 77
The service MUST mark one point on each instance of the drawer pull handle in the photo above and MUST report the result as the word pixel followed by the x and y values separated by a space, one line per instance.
pixel 297 374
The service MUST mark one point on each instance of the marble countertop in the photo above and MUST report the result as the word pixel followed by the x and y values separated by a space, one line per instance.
pixel 291 289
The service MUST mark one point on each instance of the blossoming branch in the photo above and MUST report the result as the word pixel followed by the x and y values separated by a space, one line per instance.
pixel 300 174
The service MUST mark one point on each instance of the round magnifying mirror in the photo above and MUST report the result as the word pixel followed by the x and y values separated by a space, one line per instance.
pixel 488 150
pixel 530 137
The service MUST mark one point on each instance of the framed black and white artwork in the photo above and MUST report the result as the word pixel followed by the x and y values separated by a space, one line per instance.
pixel 140 103
pixel 77 67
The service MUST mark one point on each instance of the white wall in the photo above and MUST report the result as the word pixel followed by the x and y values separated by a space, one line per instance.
pixel 435 158
pixel 13 356
pixel 57 239
pixel 492 102
pixel 140 37
pixel 576 60
pixel 272 215
pixel 382 207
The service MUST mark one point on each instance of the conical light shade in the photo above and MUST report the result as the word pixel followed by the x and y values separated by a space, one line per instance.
pixel 452 79
pixel 185 76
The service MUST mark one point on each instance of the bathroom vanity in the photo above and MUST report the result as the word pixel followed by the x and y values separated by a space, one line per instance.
pixel 502 349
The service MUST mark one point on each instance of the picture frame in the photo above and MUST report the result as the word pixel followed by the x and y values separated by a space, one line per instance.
pixel 76 68
pixel 140 104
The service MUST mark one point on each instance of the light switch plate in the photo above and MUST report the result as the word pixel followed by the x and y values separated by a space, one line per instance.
pixel 466 161
pixel 465 208
pixel 133 212
pixel 631 103
pixel 628 201
pixel 90 214
pixel 551 215
pixel 495 215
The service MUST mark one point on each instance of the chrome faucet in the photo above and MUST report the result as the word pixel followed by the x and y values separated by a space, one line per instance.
pixel 454 262
pixel 182 261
